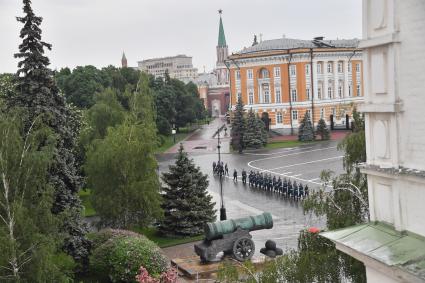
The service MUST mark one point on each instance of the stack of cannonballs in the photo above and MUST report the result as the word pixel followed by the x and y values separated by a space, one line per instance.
pixel 271 250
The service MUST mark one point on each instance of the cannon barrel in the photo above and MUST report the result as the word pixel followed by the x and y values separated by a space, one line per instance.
pixel 250 223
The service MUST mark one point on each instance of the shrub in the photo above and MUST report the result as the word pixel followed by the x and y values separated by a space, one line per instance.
pixel 104 235
pixel 120 254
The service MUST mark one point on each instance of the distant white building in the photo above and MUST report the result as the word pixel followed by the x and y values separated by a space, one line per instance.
pixel 392 244
pixel 179 67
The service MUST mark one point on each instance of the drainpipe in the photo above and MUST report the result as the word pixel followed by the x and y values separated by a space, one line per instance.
pixel 289 91
pixel 312 87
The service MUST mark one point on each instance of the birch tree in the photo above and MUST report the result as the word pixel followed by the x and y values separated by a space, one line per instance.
pixel 29 238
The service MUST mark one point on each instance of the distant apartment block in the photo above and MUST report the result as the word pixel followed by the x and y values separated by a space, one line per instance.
pixel 179 67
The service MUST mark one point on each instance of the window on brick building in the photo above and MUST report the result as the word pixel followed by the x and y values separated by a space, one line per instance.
pixel 339 91
pixel 238 75
pixel 308 111
pixel 277 72
pixel 278 95
pixel 266 96
pixel 264 73
pixel 294 115
pixel 358 90
pixel 292 70
pixel 279 118
pixel 307 69
pixel 251 97
pixel 349 90
pixel 293 95
pixel 307 92
pixel 250 74
pixel 357 68
pixel 319 68
pixel 329 67
pixel 340 68
pixel 319 92
pixel 330 92
pixel 239 96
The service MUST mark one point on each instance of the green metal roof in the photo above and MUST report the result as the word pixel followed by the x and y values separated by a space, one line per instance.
pixel 383 243
pixel 221 37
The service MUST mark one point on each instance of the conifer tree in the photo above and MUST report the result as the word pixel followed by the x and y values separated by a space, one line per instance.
pixel 253 136
pixel 186 202
pixel 238 127
pixel 322 130
pixel 38 95
pixel 305 131
pixel 261 127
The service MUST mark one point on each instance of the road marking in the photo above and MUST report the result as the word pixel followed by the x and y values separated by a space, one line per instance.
pixel 292 165
pixel 314 179
pixel 304 163
pixel 290 154
pixel 249 208
pixel 284 150
pixel 295 175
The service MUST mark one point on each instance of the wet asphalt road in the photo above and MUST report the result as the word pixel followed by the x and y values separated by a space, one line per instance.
pixel 302 164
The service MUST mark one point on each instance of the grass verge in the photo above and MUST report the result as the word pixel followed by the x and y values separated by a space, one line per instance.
pixel 169 142
pixel 163 242
pixel 284 144
pixel 85 199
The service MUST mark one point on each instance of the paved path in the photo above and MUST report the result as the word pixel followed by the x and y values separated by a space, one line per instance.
pixel 302 164
pixel 202 140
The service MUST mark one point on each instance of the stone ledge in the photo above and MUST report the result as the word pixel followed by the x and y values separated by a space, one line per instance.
pixel 381 40
pixel 393 172
pixel 380 107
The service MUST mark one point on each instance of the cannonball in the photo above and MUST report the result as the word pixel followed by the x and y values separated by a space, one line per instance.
pixel 270 253
pixel 279 251
pixel 270 245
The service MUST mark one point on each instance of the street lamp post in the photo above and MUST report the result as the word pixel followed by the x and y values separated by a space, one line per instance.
pixel 222 209
pixel 173 131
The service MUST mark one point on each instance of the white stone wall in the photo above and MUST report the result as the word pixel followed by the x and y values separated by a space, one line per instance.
pixel 394 83
pixel 374 275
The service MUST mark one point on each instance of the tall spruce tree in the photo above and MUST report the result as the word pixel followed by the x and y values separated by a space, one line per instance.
pixel 322 130
pixel 262 129
pixel 253 137
pixel 38 95
pixel 238 128
pixel 305 131
pixel 187 204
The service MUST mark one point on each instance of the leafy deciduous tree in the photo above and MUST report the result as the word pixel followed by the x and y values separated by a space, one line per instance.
pixel 121 168
pixel 30 242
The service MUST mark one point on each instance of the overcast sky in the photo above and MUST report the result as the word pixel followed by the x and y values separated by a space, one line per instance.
pixel 96 32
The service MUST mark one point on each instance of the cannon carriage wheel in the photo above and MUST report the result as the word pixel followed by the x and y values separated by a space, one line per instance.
pixel 243 249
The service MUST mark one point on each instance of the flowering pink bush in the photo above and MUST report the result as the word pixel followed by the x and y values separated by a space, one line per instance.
pixel 169 276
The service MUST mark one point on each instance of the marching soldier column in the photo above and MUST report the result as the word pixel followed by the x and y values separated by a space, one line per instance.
pixel 265 182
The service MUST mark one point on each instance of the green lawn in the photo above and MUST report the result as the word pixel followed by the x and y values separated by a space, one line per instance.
pixel 85 198
pixel 169 141
pixel 284 144
pixel 152 234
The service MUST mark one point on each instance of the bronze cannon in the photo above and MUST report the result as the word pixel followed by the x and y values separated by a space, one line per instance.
pixel 232 237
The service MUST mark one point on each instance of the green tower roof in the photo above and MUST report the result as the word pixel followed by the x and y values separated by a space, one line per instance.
pixel 221 37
